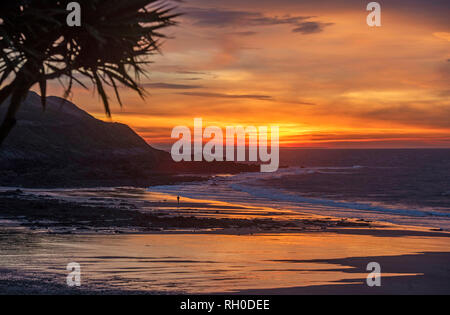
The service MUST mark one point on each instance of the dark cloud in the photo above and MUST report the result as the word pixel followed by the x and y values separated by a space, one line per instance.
pixel 264 20
pixel 310 27
pixel 443 93
pixel 305 103
pixel 230 96
pixel 367 136
pixel 411 115
pixel 433 11
pixel 243 33
pixel 227 18
pixel 192 72
pixel 217 17
pixel 171 86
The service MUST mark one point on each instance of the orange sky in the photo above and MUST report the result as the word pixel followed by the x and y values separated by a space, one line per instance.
pixel 314 68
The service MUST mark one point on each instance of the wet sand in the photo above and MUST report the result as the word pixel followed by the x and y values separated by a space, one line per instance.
pixel 238 250
pixel 286 263
pixel 428 274
pixel 111 214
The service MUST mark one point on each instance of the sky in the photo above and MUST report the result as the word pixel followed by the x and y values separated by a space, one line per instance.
pixel 313 68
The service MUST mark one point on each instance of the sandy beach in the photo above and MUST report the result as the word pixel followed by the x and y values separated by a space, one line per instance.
pixel 207 247
pixel 181 264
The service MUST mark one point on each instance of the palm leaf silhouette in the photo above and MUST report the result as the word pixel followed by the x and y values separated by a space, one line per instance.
pixel 110 48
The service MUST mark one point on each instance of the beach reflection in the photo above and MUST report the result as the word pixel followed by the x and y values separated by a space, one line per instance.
pixel 202 263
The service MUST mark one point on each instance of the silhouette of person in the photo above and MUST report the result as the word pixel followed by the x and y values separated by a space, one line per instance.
pixel 178 199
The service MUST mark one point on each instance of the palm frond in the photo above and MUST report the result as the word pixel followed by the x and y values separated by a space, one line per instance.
pixel 110 48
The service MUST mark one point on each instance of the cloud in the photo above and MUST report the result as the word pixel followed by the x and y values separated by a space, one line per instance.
pixel 303 103
pixel 228 18
pixel 382 139
pixel 243 33
pixel 218 17
pixel 229 96
pixel 410 115
pixel 265 20
pixel 417 115
pixel 310 27
pixel 442 35
pixel 368 135
pixel 171 86
pixel 443 93
pixel 192 72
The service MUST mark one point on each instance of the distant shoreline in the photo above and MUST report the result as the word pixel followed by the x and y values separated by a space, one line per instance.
pixel 62 217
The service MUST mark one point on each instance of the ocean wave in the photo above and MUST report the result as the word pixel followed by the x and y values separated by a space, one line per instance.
pixel 280 195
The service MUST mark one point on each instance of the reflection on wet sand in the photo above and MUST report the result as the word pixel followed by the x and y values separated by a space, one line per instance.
pixel 208 263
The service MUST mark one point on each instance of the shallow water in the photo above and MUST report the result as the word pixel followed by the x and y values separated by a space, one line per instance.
pixel 408 187
pixel 200 263
pixel 401 195
pixel 250 195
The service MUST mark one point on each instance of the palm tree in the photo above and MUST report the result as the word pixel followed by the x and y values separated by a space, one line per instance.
pixel 110 47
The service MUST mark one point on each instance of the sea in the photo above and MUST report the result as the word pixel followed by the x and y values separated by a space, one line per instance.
pixel 401 186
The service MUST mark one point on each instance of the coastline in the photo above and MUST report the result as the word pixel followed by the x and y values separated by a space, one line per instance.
pixel 54 216
pixel 38 218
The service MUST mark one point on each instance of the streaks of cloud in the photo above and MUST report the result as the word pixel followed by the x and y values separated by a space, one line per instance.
pixel 310 27
pixel 442 35
pixel 231 18
pixel 229 96
pixel 172 86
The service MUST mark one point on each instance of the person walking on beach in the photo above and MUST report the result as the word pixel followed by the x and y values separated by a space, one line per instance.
pixel 178 200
